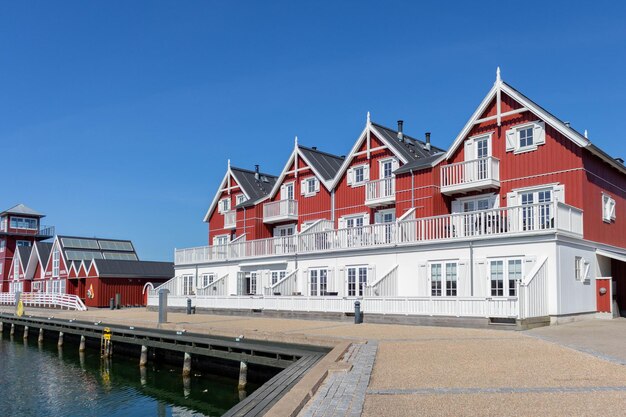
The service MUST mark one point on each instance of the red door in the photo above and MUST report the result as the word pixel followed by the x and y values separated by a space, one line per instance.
pixel 603 295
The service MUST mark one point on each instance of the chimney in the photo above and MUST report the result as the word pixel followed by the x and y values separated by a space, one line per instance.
pixel 314 148
pixel 400 133
pixel 256 172
pixel 427 146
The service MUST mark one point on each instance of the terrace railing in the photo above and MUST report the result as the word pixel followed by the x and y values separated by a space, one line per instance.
pixel 45 299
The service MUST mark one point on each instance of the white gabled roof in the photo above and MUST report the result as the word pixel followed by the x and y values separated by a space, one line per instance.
pixel 560 126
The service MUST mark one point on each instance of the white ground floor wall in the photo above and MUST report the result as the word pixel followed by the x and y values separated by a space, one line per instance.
pixel 494 269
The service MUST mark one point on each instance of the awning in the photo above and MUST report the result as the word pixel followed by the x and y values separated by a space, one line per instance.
pixel 611 254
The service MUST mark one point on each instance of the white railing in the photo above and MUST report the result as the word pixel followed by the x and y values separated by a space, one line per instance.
pixel 45 299
pixel 318 226
pixel 380 190
pixel 230 219
pixel 470 172
pixel 281 209
pixel 533 292
pixel 527 219
pixel 422 306
pixel 287 286
pixel 219 287
pixel 172 285
pixel 386 286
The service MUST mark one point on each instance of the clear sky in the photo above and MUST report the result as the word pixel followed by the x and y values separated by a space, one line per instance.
pixel 117 117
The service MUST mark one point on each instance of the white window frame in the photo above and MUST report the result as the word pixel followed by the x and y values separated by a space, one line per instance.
pixel 288 188
pixel 307 184
pixel 221 240
pixel 318 287
pixel 358 285
pixel 224 205
pixel 508 289
pixel 352 180
pixel 444 290
pixel 276 276
pixel 56 262
pixel 608 208
pixel 23 243
pixel 16 269
pixel 19 219
pixel 3 245
pixel 206 279
pixel 581 269
pixel 514 134
pixel 381 167
pixel 240 198
pixel 188 287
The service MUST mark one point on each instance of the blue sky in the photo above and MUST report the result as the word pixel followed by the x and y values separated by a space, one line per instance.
pixel 117 118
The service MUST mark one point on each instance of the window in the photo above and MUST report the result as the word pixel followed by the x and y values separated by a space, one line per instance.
pixel 353 222
pixel 253 276
pixel 188 285
pixel 277 276
pixel 439 287
pixel 56 256
pixel 23 223
pixel 526 137
pixel 3 244
pixel 24 243
pixel 220 240
pixel 206 280
pixel 358 175
pixel 608 208
pixel 16 269
pixel 224 205
pixel 3 224
pixel 581 268
pixel 386 169
pixel 357 280
pixel 504 275
pixel 537 213
pixel 318 281
pixel 309 186
pixel 286 191
pixel 240 198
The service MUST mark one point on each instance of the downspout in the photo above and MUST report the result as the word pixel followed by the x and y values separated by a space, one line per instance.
pixel 471 251
pixel 412 189
pixel 332 207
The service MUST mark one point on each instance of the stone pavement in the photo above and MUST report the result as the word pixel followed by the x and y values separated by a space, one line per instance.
pixel 343 393
pixel 571 370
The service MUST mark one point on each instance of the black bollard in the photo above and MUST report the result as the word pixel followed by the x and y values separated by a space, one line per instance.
pixel 358 317
pixel 188 305
pixel 112 303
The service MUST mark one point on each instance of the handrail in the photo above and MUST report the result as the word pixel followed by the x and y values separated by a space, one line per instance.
pixel 390 278
pixel 270 290
pixel 220 282
pixel 533 272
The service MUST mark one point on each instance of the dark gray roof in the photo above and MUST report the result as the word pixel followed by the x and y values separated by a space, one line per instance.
pixel 410 148
pixel 24 254
pixel 44 249
pixel 325 163
pixel 418 165
pixel 23 210
pixel 253 187
pixel 134 269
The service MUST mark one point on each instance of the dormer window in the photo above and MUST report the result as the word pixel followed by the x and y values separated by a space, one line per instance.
pixel 241 198
pixel 525 137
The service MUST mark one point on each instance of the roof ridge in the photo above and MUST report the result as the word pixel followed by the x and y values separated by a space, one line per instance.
pixel 252 172
pixel 421 142
pixel 321 152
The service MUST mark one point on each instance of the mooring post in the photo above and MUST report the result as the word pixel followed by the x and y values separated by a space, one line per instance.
pixel 186 386
pixel 81 347
pixel 81 359
pixel 12 332
pixel 243 375
pixel 187 365
pixel 40 338
pixel 25 332
pixel 143 359
pixel 1 327
pixel 60 342
pixel 143 375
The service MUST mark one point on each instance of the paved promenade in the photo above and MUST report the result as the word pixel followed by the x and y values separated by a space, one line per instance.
pixel 572 370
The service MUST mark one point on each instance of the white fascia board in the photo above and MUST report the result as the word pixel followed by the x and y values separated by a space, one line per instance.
pixel 217 196
pixel 348 160
pixel 470 123
pixel 391 145
pixel 281 177
pixel 327 184
pixel 610 254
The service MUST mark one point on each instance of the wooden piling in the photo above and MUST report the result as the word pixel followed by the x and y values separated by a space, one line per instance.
pixel 12 332
pixel 60 342
pixel 25 332
pixel 243 375
pixel 81 347
pixel 40 338
pixel 187 364
pixel 143 359
pixel 1 327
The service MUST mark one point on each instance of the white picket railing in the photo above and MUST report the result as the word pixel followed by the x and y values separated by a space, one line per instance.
pixel 378 191
pixel 219 287
pixel 287 286
pixel 386 286
pixel 533 293
pixel 527 219
pixel 172 285
pixel 505 307
pixel 471 172
pixel 280 210
pixel 45 299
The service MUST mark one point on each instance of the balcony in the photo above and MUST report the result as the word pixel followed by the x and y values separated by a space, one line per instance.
pixel 230 219
pixel 474 175
pixel 43 232
pixel 280 211
pixel 524 220
pixel 380 192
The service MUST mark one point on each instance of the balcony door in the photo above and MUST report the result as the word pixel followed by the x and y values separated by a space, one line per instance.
pixel 471 218
pixel 384 233
pixel 287 191
pixel 386 168
pixel 286 243
pixel 477 149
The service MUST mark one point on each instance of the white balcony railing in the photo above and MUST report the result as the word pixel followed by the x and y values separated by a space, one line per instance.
pixel 280 210
pixel 230 219
pixel 471 175
pixel 506 221
pixel 380 192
